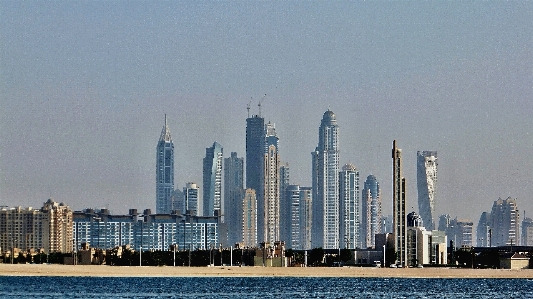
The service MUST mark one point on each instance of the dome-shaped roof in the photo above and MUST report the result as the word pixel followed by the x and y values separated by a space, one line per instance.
pixel 329 118
pixel 329 115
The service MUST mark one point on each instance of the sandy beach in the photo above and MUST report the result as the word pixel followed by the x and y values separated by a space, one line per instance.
pixel 115 271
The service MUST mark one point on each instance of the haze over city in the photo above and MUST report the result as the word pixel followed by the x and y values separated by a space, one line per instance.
pixel 85 86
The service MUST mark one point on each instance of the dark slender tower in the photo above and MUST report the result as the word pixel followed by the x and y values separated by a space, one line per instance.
pixel 164 171
pixel 255 150
pixel 398 205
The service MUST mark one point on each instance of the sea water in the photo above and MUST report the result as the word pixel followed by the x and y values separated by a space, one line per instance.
pixel 260 287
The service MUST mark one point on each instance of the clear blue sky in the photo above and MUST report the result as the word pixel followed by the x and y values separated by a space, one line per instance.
pixel 85 85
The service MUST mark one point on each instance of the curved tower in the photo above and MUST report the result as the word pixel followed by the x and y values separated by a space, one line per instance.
pixel 426 180
pixel 325 171
pixel 164 183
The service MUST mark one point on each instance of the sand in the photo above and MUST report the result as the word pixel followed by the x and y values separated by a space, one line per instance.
pixel 116 271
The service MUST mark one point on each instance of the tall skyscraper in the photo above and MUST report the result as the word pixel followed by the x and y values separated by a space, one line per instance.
pixel 325 169
pixel 271 187
pixel 398 205
pixel 249 219
pixel 212 180
pixel 426 179
pixel 164 171
pixel 349 207
pixel 233 197
pixel 255 149
pixel 371 218
pixel 190 197
pixel 505 222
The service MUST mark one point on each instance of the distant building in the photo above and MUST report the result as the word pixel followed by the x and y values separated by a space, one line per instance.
pixel 371 216
pixel 398 205
pixel 527 232
pixel 306 217
pixel 149 231
pixel 233 198
pixel 349 207
pixel 459 231
pixel 290 216
pixel 426 168
pixel 325 169
pixel 423 246
pixel 255 164
pixel 249 219
pixel 212 175
pixel 284 204
pixel 483 231
pixel 271 216
pixel 505 222
pixel 164 171
pixel 26 229
pixel 190 199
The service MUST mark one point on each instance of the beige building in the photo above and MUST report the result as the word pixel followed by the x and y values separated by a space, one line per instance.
pixel 514 261
pixel 49 228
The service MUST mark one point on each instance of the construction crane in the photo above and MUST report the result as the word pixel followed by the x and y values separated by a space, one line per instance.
pixel 248 107
pixel 259 104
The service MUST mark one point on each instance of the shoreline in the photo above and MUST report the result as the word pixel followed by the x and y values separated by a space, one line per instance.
pixel 168 271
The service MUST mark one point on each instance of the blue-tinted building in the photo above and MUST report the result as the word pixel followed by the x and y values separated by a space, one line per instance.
pixel 164 171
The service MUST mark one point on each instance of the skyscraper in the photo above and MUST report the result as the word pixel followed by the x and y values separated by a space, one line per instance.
pixel 271 186
pixel 483 230
pixel 233 197
pixel 164 171
pixel 398 205
pixel 426 179
pixel 325 169
pixel 255 149
pixel 212 180
pixel 505 222
pixel 249 219
pixel 306 217
pixel 349 207
pixel 284 204
pixel 371 218
pixel 290 216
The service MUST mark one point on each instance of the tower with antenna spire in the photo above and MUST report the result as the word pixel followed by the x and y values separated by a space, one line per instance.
pixel 164 171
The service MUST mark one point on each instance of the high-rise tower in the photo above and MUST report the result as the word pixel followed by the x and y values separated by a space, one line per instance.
pixel 255 149
pixel 325 181
pixel 349 207
pixel 398 205
pixel 212 180
pixel 164 171
pixel 233 197
pixel 426 180
pixel 271 186
pixel 371 219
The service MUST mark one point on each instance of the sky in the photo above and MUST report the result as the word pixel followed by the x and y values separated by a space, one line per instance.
pixel 85 86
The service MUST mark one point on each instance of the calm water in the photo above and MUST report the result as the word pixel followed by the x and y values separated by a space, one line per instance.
pixel 261 287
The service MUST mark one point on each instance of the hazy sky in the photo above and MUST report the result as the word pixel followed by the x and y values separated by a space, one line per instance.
pixel 84 88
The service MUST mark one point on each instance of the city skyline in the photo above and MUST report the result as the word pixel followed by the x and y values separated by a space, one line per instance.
pixel 80 80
